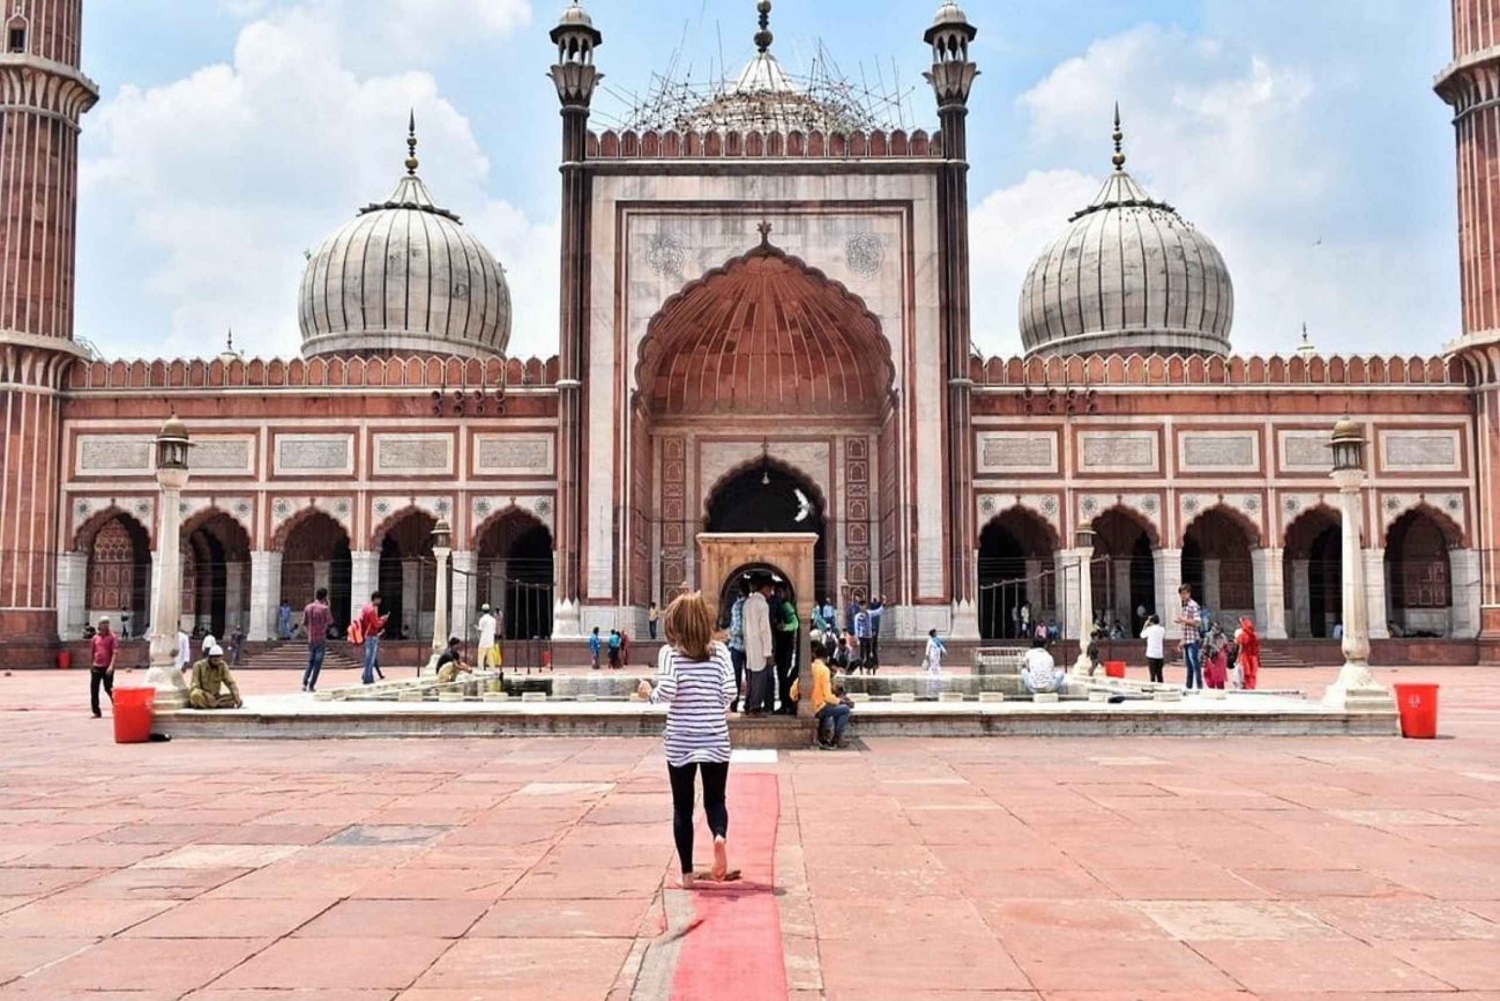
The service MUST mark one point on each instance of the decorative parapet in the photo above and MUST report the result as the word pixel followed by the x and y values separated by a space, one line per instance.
pixel 1101 371
pixel 425 372
pixel 672 145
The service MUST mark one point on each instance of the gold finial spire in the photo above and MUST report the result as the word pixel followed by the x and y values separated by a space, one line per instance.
pixel 1119 157
pixel 763 37
pixel 411 145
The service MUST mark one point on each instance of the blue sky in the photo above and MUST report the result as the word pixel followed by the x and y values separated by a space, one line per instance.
pixel 1304 138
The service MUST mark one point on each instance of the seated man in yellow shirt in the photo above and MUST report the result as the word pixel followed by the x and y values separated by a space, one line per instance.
pixel 832 713
pixel 210 677
pixel 451 663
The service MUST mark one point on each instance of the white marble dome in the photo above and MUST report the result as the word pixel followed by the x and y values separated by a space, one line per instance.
pixel 1131 276
pixel 404 276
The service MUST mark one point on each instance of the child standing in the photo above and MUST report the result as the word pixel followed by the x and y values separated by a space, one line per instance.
pixel 934 655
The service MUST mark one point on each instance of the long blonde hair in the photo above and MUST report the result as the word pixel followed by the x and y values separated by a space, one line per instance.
pixel 689 626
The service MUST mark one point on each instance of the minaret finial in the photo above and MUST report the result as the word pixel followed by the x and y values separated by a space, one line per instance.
pixel 229 341
pixel 411 145
pixel 763 37
pixel 1119 158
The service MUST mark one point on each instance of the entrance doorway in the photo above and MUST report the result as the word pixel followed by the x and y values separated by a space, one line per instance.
pixel 769 497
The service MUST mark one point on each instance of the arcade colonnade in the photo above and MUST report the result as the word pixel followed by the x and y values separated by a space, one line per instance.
pixel 1421 578
pixel 112 570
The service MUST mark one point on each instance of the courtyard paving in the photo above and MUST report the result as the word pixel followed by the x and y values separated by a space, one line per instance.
pixel 1343 869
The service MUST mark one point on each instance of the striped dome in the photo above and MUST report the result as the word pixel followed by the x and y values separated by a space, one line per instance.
pixel 404 276
pixel 1129 275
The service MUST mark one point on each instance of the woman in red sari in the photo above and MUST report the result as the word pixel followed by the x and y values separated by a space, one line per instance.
pixel 1249 644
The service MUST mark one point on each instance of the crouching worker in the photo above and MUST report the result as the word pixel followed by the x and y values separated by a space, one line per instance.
pixel 451 663
pixel 210 677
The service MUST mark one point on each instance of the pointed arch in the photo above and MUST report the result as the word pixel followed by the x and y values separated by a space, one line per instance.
pixel 766 462
pixel 83 535
pixel 1452 532
pixel 765 333
pixel 295 521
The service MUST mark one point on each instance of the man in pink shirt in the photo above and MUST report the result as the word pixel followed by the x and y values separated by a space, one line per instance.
pixel 372 624
pixel 103 649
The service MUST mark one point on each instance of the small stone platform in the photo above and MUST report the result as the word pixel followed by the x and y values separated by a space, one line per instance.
pixel 300 716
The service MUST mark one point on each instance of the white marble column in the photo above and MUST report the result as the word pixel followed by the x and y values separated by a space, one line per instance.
pixel 364 579
pixel 1060 562
pixel 1033 586
pixel 1212 594
pixel 1464 572
pixel 464 598
pixel 73 593
pixel 1167 564
pixel 265 595
pixel 1375 577
pixel 1302 599
pixel 234 596
pixel 1270 598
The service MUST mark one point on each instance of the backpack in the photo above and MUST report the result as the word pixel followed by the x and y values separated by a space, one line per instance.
pixel 356 632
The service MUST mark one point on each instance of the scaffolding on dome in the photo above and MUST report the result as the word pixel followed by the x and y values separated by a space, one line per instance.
pixel 766 98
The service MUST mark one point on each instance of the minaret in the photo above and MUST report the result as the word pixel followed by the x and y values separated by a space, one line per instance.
pixel 574 74
pixel 1469 84
pixel 45 97
pixel 952 77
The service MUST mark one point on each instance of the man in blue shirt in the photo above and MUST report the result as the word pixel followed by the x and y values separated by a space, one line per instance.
pixel 737 639
pixel 862 635
pixel 877 611
pixel 595 645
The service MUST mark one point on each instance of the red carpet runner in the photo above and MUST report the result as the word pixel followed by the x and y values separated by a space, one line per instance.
pixel 734 950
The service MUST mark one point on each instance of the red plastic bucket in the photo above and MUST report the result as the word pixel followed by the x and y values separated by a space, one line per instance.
pixel 133 712
pixel 1114 669
pixel 64 659
pixel 1418 706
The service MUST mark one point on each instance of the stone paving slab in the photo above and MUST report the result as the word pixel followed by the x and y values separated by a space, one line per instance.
pixel 926 869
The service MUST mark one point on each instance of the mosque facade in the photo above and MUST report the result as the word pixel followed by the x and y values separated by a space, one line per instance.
pixel 764 326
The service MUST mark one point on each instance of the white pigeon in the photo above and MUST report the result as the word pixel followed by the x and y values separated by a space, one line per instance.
pixel 804 506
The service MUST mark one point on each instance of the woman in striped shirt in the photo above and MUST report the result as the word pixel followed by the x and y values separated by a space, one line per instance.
pixel 696 683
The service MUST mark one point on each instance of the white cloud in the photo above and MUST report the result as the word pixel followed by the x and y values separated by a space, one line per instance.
pixel 227 176
pixel 1239 144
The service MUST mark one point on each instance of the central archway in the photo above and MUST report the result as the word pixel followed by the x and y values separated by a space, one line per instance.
pixel 770 497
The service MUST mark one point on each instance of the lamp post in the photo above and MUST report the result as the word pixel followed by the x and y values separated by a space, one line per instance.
pixel 172 446
pixel 1083 548
pixel 442 548
pixel 1356 688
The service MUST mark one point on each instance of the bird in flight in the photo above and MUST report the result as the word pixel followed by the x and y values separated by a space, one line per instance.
pixel 804 506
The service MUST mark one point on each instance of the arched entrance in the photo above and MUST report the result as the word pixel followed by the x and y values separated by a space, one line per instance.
pixel 751 350
pixel 1016 569
pixel 515 574
pixel 1216 563
pixel 119 574
pixel 215 575
pixel 1419 575
pixel 730 588
pixel 1313 574
pixel 316 554
pixel 769 497
pixel 1124 577
pixel 408 575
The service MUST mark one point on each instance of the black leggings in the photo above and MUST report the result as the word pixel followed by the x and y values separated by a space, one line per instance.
pixel 715 775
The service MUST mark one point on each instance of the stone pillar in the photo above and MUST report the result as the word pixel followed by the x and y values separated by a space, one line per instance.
pixel 1356 688
pixel 1059 590
pixel 1270 599
pixel 440 631
pixel 411 612
pixel 73 594
pixel 166 606
pixel 1033 587
pixel 1123 609
pixel 322 574
pixel 1464 571
pixel 1212 594
pixel 364 579
pixel 1167 564
pixel 465 563
pixel 234 596
pixel 1377 614
pixel 265 595
pixel 1302 598
pixel 1078 591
